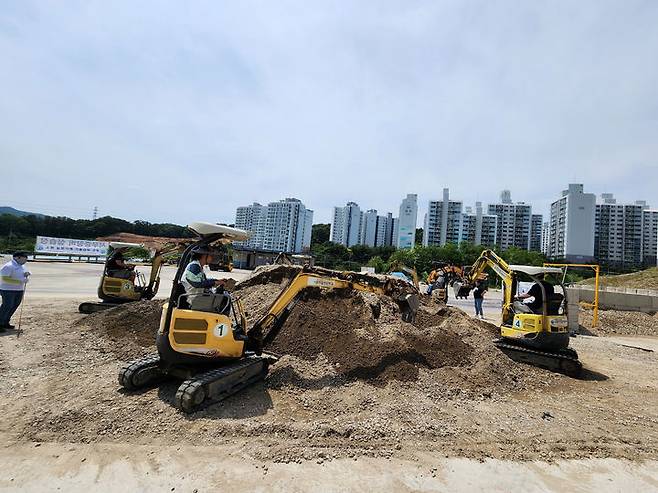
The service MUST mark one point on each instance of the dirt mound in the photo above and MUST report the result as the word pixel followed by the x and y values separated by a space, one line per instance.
pixel 344 331
pixel 348 336
pixel 128 328
pixel 615 322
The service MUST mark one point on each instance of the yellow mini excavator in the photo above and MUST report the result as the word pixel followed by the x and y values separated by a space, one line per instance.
pixel 114 290
pixel 213 352
pixel 538 334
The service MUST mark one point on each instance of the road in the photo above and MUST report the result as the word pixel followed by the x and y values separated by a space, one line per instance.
pixel 131 467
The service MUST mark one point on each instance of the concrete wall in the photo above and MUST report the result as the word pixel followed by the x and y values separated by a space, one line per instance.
pixel 639 300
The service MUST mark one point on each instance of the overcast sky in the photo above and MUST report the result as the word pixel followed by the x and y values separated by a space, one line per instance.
pixel 182 111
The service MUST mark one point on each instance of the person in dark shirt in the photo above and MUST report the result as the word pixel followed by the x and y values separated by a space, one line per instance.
pixel 117 266
pixel 536 293
pixel 478 297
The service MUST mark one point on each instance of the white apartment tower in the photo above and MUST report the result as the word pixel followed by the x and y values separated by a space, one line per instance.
pixel 407 221
pixel 346 225
pixel 369 228
pixel 571 233
pixel 283 226
pixel 443 221
pixel 248 218
pixel 514 222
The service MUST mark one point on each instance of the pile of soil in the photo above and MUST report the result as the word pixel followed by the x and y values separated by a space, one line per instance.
pixel 346 335
pixel 129 329
pixel 616 322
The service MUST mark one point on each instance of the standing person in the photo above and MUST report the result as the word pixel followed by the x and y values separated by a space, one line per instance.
pixel 478 297
pixel 13 277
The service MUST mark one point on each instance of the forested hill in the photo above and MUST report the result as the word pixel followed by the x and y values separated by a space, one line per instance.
pixel 65 227
pixel 16 212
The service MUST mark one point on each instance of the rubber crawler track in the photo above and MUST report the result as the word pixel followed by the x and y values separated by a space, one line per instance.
pixel 191 395
pixel 566 355
pixel 127 372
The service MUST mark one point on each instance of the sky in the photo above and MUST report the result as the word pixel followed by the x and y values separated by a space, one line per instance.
pixel 183 111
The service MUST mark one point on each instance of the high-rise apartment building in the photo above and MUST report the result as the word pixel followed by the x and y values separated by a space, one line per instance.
pixel 248 218
pixel 369 228
pixel 346 225
pixel 351 227
pixel 650 237
pixel 478 228
pixel 625 234
pixel 536 226
pixel 283 226
pixel 443 221
pixel 513 224
pixel 545 237
pixel 407 221
pixel 571 234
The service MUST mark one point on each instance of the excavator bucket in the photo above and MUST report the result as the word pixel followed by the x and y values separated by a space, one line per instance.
pixel 409 306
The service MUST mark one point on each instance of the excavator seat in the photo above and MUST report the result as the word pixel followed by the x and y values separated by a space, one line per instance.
pixel 554 304
pixel 212 302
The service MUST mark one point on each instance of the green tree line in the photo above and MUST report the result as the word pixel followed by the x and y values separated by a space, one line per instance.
pixel 19 232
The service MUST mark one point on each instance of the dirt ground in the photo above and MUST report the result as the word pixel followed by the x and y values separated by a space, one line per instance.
pixel 616 322
pixel 451 393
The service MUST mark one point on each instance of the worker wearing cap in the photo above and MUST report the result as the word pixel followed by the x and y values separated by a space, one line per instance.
pixel 13 278
pixel 196 283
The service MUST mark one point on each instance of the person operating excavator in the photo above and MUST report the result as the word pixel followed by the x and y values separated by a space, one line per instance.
pixel 537 293
pixel 198 286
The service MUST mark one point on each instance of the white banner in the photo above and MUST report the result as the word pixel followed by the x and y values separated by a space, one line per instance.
pixel 68 246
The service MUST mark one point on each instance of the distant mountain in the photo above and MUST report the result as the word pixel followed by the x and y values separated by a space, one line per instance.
pixel 16 212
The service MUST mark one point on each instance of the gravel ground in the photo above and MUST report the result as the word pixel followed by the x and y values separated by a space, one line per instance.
pixel 59 385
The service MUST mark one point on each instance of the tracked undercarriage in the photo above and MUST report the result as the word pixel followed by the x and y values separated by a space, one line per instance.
pixel 560 361
pixel 199 388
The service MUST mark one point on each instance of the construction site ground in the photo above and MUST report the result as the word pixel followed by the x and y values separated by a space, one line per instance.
pixel 438 427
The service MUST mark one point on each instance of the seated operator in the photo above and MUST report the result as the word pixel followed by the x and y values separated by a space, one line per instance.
pixel 117 266
pixel 535 306
pixel 198 286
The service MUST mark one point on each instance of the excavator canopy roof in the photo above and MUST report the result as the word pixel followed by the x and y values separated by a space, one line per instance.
pixel 533 270
pixel 226 232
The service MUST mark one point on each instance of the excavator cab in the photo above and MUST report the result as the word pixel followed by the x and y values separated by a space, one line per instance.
pixel 535 333
pixel 541 323
pixel 119 286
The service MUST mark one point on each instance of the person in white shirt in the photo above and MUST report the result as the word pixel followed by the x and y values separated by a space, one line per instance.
pixel 13 278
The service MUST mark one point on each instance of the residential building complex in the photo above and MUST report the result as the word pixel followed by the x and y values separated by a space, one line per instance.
pixel 351 227
pixel 283 226
pixel 571 228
